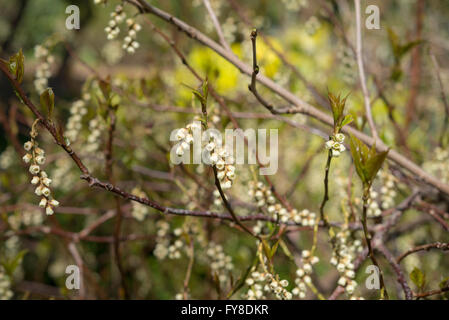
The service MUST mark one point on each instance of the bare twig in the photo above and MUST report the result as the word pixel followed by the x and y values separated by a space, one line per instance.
pixel 397 269
pixel 216 25
pixel 432 292
pixel 443 98
pixel 359 55
pixel 252 87
pixel 424 247
pixel 229 207
pixel 189 268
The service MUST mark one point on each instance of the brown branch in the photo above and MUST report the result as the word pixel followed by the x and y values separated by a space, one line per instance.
pixel 432 292
pixel 397 269
pixel 228 205
pixel 189 268
pixel 430 210
pixel 216 25
pixel 415 72
pixel 320 99
pixel 424 247
pixel 252 86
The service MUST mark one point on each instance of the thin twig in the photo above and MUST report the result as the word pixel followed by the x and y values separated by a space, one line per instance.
pixel 397 269
pixel 189 268
pixel 424 247
pixel 443 98
pixel 359 55
pixel 228 205
pixel 216 25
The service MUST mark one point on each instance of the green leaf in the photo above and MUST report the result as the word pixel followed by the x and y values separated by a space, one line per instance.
pixel 418 278
pixel 48 101
pixel 347 120
pixel 205 89
pixel 359 152
pixel 408 46
pixel 444 283
pixel 199 96
pixel 274 248
pixel 16 65
pixel 367 161
pixel 266 248
pixel 338 106
pixel 11 265
pixel 105 88
pixel 375 163
pixel 394 42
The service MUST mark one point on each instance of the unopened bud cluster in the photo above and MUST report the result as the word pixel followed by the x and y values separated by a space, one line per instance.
pixel 139 210
pixel 263 283
pixel 94 138
pixel 117 16
pixel 439 165
pixel 7 158
pixel 373 206
pixel 218 155
pixel 35 156
pixel 335 144
pixel 43 71
pixel 185 137
pixel 224 163
pixel 312 25
pixel 347 65
pixel 343 259
pixel 5 285
pixel 218 202
pixel 264 198
pixel 219 262
pixel 303 274
pixel 385 197
pixel 130 43
pixel 25 218
pixel 388 190
pixel 77 111
pixel 164 248
pixel 294 5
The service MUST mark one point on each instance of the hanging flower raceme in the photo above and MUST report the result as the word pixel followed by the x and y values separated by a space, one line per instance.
pixel 130 43
pixel 35 156
pixel 264 197
pixel 77 111
pixel 185 136
pixel 139 211
pixel 5 285
pixel 303 274
pixel 262 283
pixel 343 258
pixel 224 163
pixel 220 263
pixel 94 139
pixel 43 71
